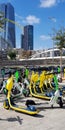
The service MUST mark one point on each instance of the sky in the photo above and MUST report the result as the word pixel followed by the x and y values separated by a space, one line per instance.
pixel 44 15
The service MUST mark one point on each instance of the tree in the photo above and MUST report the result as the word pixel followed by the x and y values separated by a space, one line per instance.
pixel 12 55
pixel 59 40
pixel 1 21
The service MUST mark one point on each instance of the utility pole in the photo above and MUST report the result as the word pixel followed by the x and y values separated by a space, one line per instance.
pixel 54 21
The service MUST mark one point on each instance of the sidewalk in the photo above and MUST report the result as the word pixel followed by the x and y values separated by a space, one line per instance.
pixel 47 119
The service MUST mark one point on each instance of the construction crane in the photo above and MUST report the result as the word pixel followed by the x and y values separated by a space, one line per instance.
pixel 13 22
pixel 3 19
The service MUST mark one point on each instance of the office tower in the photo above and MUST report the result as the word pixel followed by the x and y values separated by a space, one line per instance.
pixel 9 28
pixel 27 38
pixel 22 41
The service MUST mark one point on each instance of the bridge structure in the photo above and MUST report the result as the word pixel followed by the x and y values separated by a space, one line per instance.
pixel 41 58
pixel 48 53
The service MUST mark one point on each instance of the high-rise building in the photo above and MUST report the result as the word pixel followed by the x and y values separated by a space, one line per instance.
pixel 9 28
pixel 22 41
pixel 27 38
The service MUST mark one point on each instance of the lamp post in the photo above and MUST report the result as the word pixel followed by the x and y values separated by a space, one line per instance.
pixel 54 21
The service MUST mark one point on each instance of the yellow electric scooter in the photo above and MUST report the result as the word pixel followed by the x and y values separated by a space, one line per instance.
pixel 9 103
pixel 33 92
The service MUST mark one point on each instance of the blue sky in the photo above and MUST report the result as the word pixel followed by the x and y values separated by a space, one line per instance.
pixel 43 14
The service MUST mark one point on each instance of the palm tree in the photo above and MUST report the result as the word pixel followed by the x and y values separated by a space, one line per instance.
pixel 59 40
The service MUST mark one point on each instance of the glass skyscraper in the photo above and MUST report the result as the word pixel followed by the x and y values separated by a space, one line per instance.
pixel 9 27
pixel 27 38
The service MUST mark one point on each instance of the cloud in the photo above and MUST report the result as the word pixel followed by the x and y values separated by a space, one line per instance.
pixel 45 37
pixel 31 19
pixel 49 3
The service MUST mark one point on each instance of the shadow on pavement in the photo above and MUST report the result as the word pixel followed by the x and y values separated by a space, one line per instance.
pixel 39 116
pixel 12 119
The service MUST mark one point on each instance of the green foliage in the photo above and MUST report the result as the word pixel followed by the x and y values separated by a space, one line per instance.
pixel 2 72
pixel 12 55
pixel 1 20
pixel 59 38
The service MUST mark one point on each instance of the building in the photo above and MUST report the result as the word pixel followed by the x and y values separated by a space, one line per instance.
pixel 22 41
pixel 3 44
pixel 27 38
pixel 9 28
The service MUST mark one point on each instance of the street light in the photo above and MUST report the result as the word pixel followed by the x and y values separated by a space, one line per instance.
pixel 53 19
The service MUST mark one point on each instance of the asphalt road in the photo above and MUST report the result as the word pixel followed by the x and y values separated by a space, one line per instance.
pixel 47 119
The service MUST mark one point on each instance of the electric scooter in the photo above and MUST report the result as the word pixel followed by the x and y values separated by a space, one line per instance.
pixel 37 95
pixel 2 86
pixel 9 103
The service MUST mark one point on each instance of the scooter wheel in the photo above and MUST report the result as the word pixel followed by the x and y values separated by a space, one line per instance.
pixel 6 104
pixel 51 106
pixel 31 108
pixel 60 102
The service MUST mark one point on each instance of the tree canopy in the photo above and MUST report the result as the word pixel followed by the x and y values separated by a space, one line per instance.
pixel 1 20
pixel 12 55
pixel 59 38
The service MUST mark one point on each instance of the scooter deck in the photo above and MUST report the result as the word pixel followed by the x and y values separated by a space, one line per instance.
pixel 22 109
pixel 41 96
